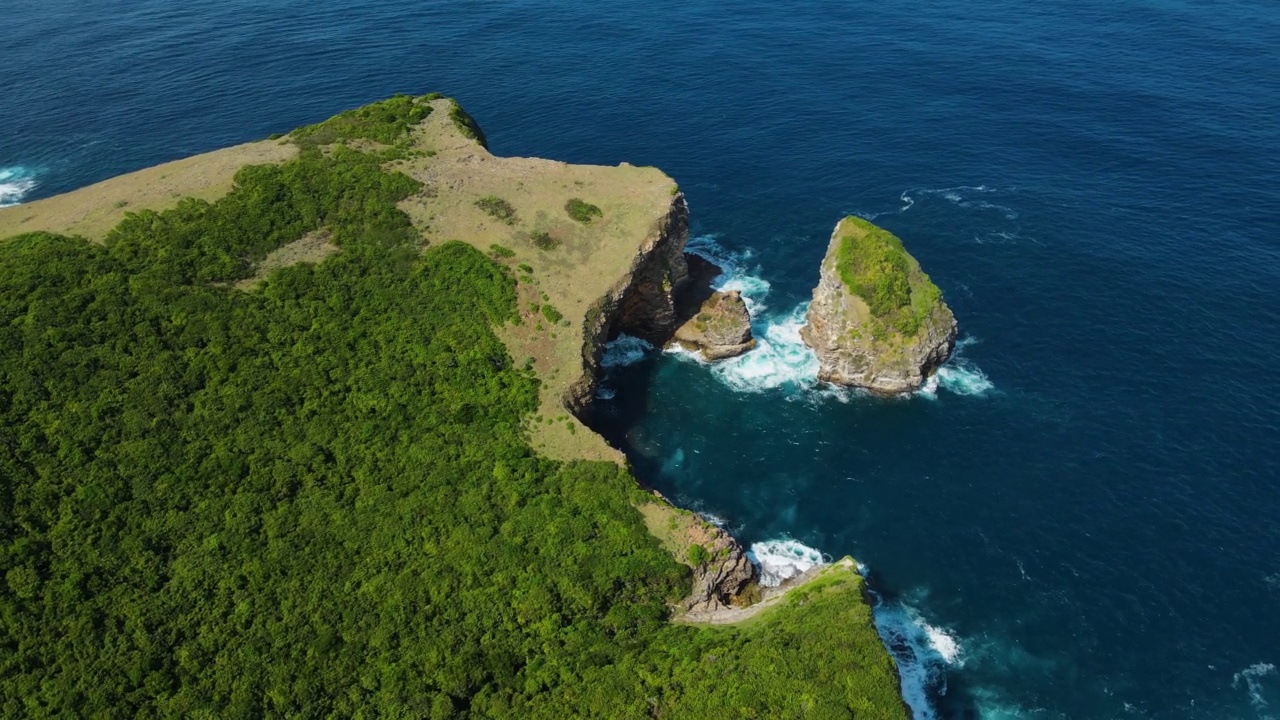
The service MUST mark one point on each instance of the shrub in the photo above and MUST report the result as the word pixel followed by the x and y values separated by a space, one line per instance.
pixel 581 210
pixel 497 208
pixel 467 125
pixel 384 122
pixel 501 251
pixel 551 313
pixel 543 240
pixel 698 555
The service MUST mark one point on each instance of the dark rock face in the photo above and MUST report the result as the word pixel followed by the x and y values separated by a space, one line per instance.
pixel 721 580
pixel 661 273
pixel 641 304
pixel 714 324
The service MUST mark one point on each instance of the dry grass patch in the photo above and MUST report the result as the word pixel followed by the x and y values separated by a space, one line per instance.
pixel 92 211
pixel 571 264
pixel 313 247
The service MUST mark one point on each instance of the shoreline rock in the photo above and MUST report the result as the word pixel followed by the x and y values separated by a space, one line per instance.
pixel 716 324
pixel 888 331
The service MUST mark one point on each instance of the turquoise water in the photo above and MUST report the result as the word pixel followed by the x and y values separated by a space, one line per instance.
pixel 1079 519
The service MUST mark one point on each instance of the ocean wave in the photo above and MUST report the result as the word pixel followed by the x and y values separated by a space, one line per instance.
pixel 959 195
pixel 15 183
pixel 923 652
pixel 624 350
pixel 780 358
pixel 958 375
pixel 779 560
pixel 1251 680
pixel 737 271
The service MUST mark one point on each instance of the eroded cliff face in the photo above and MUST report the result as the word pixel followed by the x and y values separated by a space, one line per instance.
pixel 725 578
pixel 854 349
pixel 642 303
pixel 649 302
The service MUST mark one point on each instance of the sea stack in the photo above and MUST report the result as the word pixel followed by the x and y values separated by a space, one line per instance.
pixel 876 321
pixel 714 324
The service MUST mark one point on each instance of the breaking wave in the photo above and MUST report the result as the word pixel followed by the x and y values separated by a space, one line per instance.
pixel 624 350
pixel 923 653
pixel 958 375
pixel 15 183
pixel 779 560
pixel 781 359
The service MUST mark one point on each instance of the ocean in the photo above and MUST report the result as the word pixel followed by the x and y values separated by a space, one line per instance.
pixel 1078 517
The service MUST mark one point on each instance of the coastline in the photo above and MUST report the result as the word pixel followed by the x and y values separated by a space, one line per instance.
pixel 601 281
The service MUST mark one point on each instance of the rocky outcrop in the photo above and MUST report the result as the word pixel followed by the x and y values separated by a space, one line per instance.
pixel 642 303
pixel 876 320
pixel 724 578
pixel 714 324
pixel 719 329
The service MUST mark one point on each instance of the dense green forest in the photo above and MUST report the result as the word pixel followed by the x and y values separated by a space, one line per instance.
pixel 317 499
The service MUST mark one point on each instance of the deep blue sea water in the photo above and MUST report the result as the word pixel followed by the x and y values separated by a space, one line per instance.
pixel 1080 519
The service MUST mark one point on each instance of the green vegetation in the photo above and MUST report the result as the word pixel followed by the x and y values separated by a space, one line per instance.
pixel 501 251
pixel 543 240
pixel 384 122
pixel 552 314
pixel 467 125
pixel 698 555
pixel 497 208
pixel 317 499
pixel 581 210
pixel 875 266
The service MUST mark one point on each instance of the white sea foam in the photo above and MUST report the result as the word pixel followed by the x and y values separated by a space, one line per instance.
pixel 604 392
pixel 958 375
pixel 923 652
pixel 1251 679
pixel 15 183
pixel 713 519
pixel 624 350
pixel 778 560
pixel 779 359
pixel 738 272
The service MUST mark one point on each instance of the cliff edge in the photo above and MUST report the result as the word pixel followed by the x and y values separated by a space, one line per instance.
pixel 876 321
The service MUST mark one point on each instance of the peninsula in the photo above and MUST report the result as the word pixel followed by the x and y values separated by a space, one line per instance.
pixel 296 428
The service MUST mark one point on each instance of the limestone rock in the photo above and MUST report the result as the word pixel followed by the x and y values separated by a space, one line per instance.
pixel 724 577
pixel 660 273
pixel 876 320
pixel 714 324
pixel 721 328
pixel 642 303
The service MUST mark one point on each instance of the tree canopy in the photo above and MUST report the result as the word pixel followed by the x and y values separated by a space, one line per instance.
pixel 317 499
